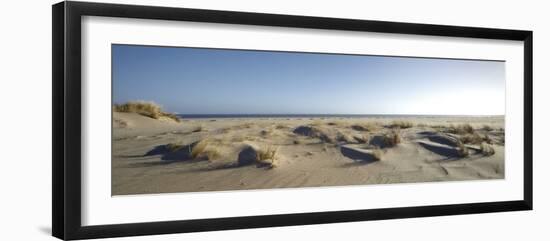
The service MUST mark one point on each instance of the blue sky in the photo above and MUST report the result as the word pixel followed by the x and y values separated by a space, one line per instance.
pixel 217 81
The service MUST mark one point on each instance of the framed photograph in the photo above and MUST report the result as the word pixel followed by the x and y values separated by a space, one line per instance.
pixel 172 120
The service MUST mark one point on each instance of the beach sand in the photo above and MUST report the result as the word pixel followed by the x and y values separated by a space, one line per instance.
pixel 162 156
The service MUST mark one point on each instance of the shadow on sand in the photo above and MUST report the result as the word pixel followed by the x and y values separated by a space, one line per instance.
pixel 444 140
pixel 169 155
pixel 442 150
pixel 359 157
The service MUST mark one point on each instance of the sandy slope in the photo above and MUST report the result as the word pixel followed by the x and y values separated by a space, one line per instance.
pixel 333 155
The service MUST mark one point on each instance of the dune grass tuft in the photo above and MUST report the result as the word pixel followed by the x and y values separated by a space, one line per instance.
pixel 377 154
pixel 365 126
pixel 145 108
pixel 244 126
pixel 172 147
pixel 198 148
pixel 149 109
pixel 198 128
pixel 361 138
pixel 461 129
pixel 342 137
pixel 487 128
pixel 171 116
pixel 462 149
pixel 266 132
pixel 471 139
pixel 475 138
pixel 317 122
pixel 212 154
pixel 391 139
pixel 315 132
pixel 486 149
pixel 266 153
pixel 401 124
pixel 439 127
pixel 487 139
pixel 267 156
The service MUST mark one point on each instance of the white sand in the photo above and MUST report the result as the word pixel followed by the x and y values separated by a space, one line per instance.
pixel 333 155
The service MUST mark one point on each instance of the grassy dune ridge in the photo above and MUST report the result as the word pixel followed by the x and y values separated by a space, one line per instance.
pixel 145 108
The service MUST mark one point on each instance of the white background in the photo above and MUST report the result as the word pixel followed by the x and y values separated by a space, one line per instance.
pixel 25 122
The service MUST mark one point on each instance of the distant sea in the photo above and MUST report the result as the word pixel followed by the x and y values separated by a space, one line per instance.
pixel 219 116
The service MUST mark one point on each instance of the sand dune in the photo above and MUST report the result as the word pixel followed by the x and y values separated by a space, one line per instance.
pixel 159 156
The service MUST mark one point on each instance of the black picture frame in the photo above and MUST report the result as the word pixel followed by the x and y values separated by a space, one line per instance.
pixel 66 164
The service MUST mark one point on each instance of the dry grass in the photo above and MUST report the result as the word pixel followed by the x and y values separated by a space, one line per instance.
pixel 471 139
pixel 212 154
pixel 241 138
pixel 377 154
pixel 198 148
pixel 265 132
pixel 475 138
pixel 317 122
pixel 487 139
pixel 171 116
pixel 401 124
pixel 224 130
pixel 486 149
pixel 267 156
pixel 148 109
pixel 361 138
pixel 487 128
pixel 198 128
pixel 314 132
pixel 266 153
pixel 462 150
pixel 342 137
pixel 366 126
pixel 461 129
pixel 392 139
pixel 172 147
pixel 438 127
pixel 145 108
pixel 246 125
pixel 325 138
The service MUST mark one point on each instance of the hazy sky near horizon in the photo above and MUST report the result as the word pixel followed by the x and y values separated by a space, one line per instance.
pixel 216 81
